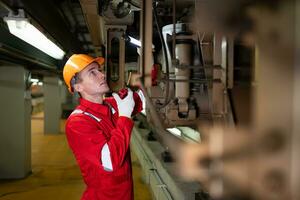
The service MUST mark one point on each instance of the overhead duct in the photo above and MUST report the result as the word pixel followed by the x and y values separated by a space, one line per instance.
pixel 94 22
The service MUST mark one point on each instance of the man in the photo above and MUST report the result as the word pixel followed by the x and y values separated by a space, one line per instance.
pixel 98 130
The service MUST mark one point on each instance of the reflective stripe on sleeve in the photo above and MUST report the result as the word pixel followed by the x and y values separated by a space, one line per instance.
pixel 105 158
pixel 78 111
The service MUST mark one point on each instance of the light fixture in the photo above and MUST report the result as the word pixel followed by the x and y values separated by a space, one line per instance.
pixel 134 41
pixel 21 27
pixel 34 80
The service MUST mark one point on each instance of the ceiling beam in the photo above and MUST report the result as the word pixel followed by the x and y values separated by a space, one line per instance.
pixel 93 20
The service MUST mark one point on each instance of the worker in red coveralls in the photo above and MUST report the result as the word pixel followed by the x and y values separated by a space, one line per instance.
pixel 99 130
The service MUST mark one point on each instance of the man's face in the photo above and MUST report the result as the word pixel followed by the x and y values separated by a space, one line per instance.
pixel 92 81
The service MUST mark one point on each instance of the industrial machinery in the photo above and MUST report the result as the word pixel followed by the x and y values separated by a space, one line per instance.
pixel 201 68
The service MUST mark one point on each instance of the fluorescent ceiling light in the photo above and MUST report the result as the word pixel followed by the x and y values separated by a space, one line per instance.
pixel 34 80
pixel 20 27
pixel 137 42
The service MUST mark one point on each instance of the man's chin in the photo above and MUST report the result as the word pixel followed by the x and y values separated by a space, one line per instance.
pixel 106 89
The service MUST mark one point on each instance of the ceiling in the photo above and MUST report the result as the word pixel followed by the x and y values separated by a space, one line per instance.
pixel 78 25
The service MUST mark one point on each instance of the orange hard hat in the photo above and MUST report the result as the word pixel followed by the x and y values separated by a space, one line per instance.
pixel 75 64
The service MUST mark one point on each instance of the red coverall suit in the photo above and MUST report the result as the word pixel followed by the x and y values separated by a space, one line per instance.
pixel 88 128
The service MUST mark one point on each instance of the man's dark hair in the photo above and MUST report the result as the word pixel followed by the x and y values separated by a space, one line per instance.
pixel 74 80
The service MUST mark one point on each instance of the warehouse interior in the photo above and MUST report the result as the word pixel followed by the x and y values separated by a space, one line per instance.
pixel 221 81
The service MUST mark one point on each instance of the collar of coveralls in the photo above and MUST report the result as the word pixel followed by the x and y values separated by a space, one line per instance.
pixel 96 108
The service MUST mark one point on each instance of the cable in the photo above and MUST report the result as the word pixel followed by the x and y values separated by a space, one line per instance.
pixel 167 100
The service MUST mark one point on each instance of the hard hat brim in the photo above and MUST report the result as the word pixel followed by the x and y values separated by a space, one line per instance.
pixel 99 60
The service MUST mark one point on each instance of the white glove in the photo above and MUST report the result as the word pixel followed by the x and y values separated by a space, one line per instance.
pixel 126 105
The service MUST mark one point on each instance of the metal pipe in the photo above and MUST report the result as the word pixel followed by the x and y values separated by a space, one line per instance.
pixel 146 40
pixel 190 81
pixel 169 141
pixel 167 99
pixel 174 31
pixel 208 67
